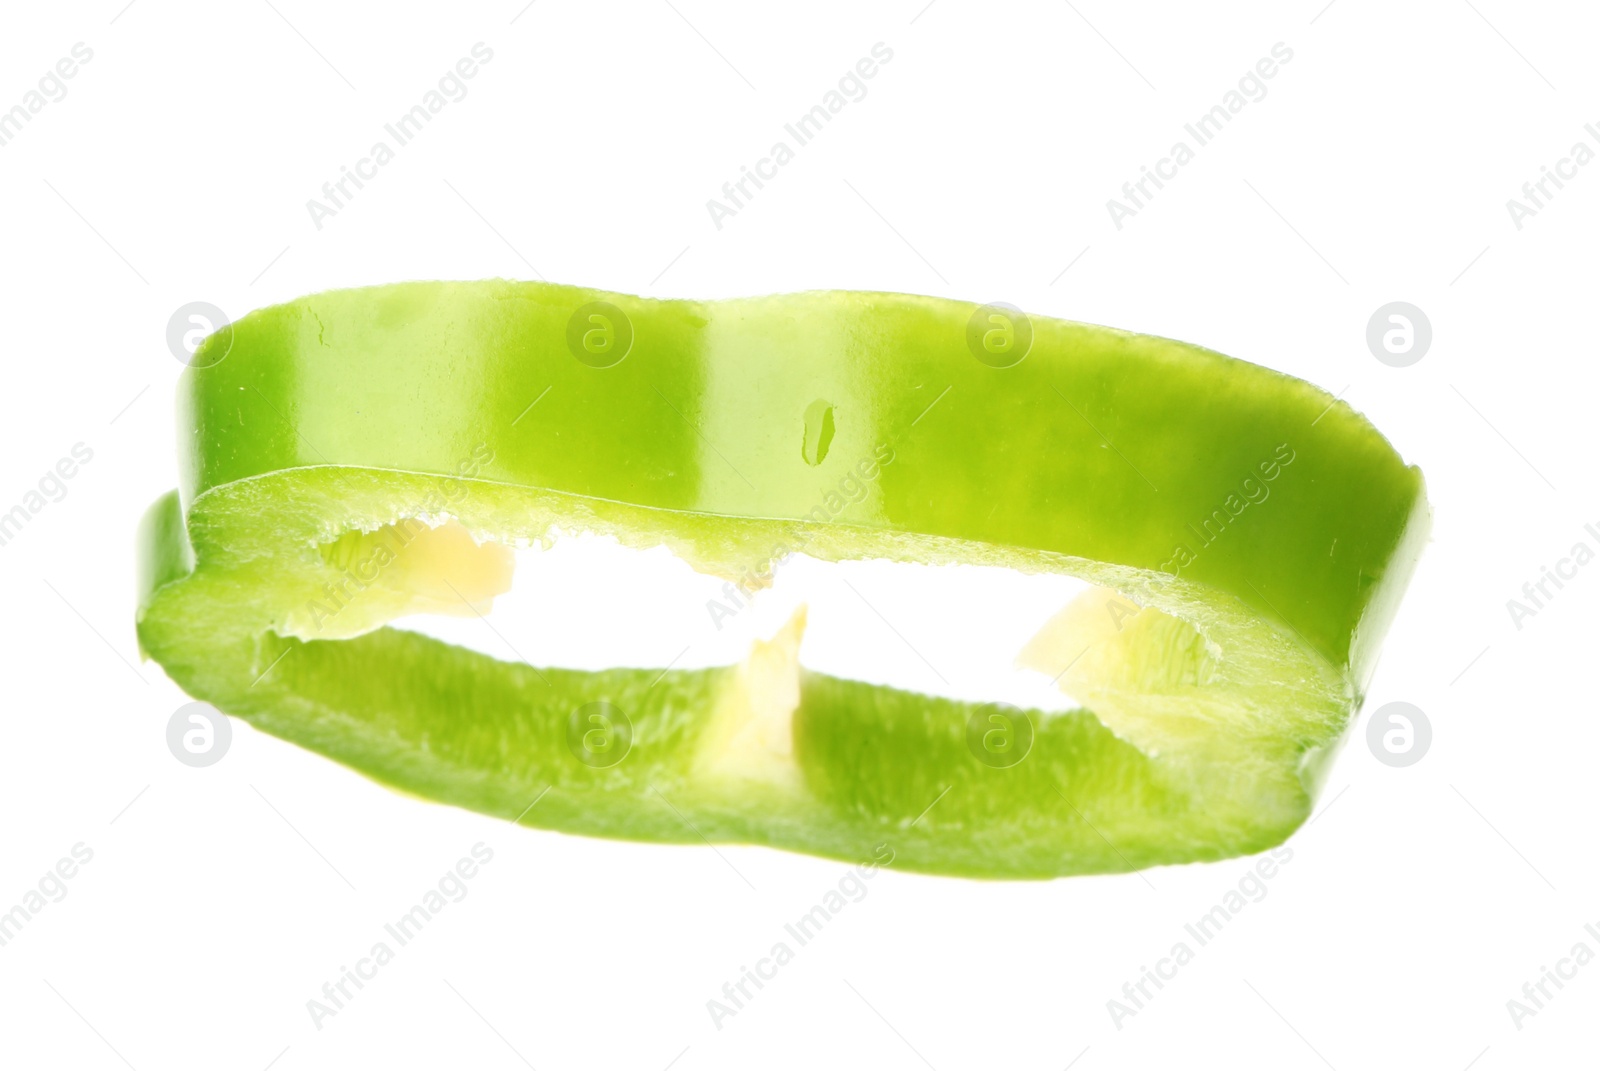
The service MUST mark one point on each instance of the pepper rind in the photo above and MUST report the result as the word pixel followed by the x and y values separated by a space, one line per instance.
pixel 1101 454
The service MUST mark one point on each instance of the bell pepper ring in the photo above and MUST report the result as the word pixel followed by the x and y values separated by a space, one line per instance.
pixel 359 455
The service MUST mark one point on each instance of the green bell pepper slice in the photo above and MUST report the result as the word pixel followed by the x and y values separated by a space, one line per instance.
pixel 1256 533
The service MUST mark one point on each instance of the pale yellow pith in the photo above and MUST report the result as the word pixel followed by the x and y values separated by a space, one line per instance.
pixel 410 567
pixel 751 736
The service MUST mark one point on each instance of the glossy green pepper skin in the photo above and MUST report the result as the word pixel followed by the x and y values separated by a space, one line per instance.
pixel 1269 528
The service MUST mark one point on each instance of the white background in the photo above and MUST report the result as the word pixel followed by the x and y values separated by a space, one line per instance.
pixel 1377 169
